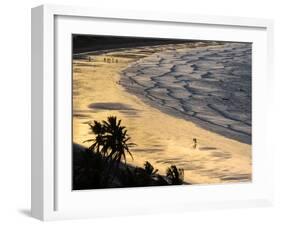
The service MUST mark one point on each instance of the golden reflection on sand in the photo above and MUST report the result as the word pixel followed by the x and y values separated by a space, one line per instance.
pixel 161 139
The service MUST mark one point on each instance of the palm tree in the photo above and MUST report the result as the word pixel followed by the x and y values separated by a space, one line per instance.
pixel 175 175
pixel 97 128
pixel 116 140
pixel 149 169
pixel 111 140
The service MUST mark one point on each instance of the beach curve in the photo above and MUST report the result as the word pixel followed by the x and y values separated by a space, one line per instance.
pixel 161 138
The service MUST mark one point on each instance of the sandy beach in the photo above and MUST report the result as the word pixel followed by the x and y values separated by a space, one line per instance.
pixel 161 138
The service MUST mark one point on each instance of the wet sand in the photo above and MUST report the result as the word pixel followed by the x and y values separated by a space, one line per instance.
pixel 161 138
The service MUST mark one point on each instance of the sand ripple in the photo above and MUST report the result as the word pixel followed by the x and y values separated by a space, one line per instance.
pixel 209 85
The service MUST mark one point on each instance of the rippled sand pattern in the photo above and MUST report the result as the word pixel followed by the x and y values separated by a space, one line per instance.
pixel 168 95
pixel 209 85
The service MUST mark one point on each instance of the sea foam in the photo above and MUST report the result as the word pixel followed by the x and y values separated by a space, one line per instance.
pixel 210 86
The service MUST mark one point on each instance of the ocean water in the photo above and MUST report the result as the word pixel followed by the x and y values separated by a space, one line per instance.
pixel 210 86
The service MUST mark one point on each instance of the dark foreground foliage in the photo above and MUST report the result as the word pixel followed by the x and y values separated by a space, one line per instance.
pixel 101 165
pixel 91 170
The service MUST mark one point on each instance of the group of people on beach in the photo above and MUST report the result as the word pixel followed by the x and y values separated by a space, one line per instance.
pixel 106 60
pixel 110 60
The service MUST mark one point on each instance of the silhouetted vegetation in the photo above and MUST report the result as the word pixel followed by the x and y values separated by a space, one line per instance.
pixel 104 165
pixel 88 169
pixel 82 43
pixel 111 140
pixel 149 169
pixel 175 175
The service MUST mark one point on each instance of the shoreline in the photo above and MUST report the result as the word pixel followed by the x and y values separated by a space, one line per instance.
pixel 138 84
pixel 214 161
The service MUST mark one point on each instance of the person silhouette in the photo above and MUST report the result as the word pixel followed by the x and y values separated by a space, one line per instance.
pixel 194 143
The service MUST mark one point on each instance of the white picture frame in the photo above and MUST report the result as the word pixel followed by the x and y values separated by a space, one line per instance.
pixel 52 197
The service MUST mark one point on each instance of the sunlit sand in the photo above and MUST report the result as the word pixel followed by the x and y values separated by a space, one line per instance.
pixel 160 138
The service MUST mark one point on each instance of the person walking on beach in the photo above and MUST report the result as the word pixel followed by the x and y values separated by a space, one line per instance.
pixel 194 143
